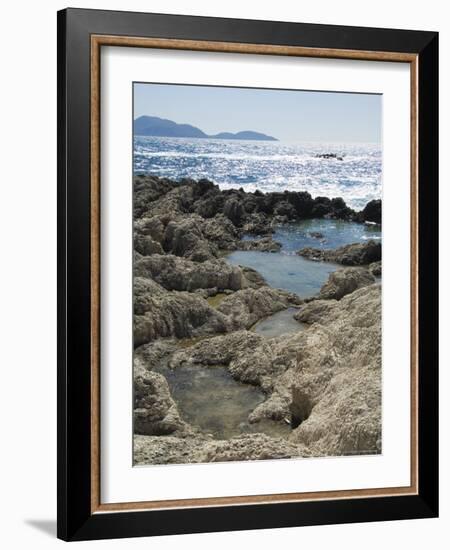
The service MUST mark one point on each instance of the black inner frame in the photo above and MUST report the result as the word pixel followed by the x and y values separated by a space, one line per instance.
pixel 75 521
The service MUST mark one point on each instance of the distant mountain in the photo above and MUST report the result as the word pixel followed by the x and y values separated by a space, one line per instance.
pixel 161 127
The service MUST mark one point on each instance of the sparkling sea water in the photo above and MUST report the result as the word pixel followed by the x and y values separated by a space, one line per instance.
pixel 267 165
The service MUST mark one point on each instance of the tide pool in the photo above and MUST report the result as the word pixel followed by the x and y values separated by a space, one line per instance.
pixel 290 272
pixel 285 271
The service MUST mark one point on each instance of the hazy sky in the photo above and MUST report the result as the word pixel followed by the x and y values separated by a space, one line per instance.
pixel 284 114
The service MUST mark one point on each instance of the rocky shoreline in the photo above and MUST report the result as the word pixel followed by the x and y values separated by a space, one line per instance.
pixel 193 308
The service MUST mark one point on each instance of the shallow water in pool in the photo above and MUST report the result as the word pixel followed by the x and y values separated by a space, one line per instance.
pixel 210 399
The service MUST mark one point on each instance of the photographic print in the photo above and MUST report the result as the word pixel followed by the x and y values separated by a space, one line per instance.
pixel 257 274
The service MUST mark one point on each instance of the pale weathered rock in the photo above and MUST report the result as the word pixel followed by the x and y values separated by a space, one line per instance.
pixel 175 273
pixel 155 412
pixel 160 314
pixel 350 254
pixel 345 281
pixel 375 269
pixel 246 307
pixel 198 449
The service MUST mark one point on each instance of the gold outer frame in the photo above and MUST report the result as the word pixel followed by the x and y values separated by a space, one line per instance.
pixel 97 41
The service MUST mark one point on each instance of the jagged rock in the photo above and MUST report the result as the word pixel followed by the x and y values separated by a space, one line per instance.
pixel 337 379
pixel 258 224
pixel 286 209
pixel 220 350
pixel 154 354
pixel 174 273
pixel 234 210
pixel 375 269
pixel 152 227
pixel 315 311
pixel 184 237
pixel 372 212
pixel 160 314
pixel 155 412
pixel 245 307
pixel 252 277
pixel 350 254
pixel 221 232
pixel 198 449
pixel 345 281
pixel 253 211
pixel 146 246
pixel 266 244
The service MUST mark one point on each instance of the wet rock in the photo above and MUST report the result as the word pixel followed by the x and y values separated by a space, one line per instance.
pixel 252 277
pixel 372 212
pixel 266 244
pixel 345 281
pixel 350 254
pixel 316 235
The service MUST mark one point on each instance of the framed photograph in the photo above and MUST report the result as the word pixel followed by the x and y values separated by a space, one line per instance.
pixel 247 274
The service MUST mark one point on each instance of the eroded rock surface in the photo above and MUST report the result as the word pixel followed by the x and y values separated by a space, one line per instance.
pixel 350 254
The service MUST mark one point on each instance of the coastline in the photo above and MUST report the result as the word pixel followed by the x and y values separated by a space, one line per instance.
pixel 195 309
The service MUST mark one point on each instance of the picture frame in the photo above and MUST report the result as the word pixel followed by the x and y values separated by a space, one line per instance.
pixel 81 36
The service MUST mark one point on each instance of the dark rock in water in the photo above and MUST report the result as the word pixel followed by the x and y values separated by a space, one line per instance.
pixel 316 235
pixel 329 156
pixel 266 244
pixel 372 212
pixel 350 254
pixel 345 281
pixel 254 211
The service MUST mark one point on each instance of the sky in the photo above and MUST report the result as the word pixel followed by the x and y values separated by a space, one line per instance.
pixel 288 115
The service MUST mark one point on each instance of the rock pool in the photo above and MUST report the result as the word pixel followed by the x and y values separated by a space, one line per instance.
pixel 279 323
pixel 210 399
pixel 288 271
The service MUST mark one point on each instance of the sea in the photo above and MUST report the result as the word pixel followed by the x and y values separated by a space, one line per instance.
pixel 267 165
pixel 277 166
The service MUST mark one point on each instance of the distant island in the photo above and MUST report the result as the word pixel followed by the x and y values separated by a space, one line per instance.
pixel 161 127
